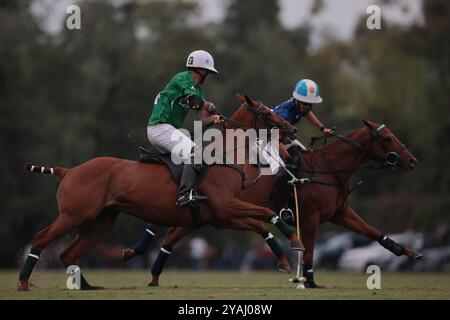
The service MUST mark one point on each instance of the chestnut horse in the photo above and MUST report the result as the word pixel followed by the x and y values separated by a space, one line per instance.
pixel 91 195
pixel 326 197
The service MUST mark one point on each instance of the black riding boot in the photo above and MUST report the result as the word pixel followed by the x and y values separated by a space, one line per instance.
pixel 295 160
pixel 186 193
pixel 281 195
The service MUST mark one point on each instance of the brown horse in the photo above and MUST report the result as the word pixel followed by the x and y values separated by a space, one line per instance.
pixel 325 199
pixel 91 195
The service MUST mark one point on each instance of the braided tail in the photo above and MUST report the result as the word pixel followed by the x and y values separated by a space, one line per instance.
pixel 59 171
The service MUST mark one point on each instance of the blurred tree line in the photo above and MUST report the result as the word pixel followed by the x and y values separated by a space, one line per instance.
pixel 74 95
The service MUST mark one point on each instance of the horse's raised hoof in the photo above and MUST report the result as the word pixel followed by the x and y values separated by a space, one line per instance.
pixel 23 285
pixel 283 265
pixel 127 254
pixel 413 254
pixel 296 244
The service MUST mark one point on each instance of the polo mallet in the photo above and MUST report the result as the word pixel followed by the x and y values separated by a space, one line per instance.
pixel 298 279
pixel 294 181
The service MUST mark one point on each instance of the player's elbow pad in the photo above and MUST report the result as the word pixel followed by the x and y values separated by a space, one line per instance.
pixel 195 102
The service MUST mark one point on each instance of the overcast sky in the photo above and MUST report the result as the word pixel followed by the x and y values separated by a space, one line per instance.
pixel 338 16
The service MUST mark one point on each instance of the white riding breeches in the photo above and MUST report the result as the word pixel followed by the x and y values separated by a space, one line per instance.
pixel 167 138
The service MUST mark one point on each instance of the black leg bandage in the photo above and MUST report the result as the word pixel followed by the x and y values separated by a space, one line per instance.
pixel 308 273
pixel 161 261
pixel 391 245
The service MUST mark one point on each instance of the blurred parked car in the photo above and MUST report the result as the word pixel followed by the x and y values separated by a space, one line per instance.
pixel 328 253
pixel 359 259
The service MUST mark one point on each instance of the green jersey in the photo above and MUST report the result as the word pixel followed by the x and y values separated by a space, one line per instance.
pixel 171 105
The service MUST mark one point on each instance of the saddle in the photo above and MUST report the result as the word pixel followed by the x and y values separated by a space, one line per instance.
pixel 152 155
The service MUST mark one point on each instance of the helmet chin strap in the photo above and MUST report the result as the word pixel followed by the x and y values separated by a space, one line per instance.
pixel 202 76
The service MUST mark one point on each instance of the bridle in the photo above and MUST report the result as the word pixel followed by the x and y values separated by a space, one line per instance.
pixel 391 160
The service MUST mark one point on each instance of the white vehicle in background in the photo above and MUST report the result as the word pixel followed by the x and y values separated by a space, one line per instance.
pixel 359 259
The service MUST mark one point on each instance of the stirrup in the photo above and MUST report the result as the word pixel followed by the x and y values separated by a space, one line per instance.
pixel 287 216
pixel 192 197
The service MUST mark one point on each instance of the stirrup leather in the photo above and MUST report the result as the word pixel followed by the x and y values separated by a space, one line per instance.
pixel 190 198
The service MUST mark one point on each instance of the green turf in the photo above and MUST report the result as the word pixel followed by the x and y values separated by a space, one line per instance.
pixel 226 285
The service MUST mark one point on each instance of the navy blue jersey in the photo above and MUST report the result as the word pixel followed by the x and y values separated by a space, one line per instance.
pixel 288 112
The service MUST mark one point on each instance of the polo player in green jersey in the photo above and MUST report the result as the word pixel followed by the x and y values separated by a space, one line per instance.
pixel 182 94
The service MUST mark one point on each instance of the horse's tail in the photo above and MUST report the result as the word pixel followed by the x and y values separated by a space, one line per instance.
pixel 59 171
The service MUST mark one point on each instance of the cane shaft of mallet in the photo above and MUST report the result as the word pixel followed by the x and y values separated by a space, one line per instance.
pixel 297 213
pixel 299 257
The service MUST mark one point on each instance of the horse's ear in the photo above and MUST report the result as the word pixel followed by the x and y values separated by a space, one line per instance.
pixel 240 98
pixel 367 124
pixel 248 100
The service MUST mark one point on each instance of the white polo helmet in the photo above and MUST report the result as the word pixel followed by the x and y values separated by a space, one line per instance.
pixel 201 59
pixel 307 91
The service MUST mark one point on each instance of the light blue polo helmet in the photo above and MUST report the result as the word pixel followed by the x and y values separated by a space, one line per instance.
pixel 307 91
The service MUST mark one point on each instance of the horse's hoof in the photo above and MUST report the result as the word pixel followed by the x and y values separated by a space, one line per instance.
pixel 283 265
pixel 153 284
pixel 413 254
pixel 127 254
pixel 296 244
pixel 284 268
pixel 23 285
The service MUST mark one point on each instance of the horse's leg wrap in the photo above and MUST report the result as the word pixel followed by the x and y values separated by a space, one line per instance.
pixel 273 244
pixel 161 261
pixel 143 244
pixel 29 264
pixel 308 273
pixel 391 245
pixel 285 229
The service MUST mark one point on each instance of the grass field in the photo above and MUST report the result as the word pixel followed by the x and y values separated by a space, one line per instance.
pixel 226 285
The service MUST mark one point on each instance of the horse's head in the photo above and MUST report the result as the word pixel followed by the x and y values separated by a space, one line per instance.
pixel 254 114
pixel 388 148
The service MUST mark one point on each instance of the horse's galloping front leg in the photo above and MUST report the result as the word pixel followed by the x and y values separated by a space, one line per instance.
pixel 173 235
pixel 309 225
pixel 349 219
pixel 142 246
